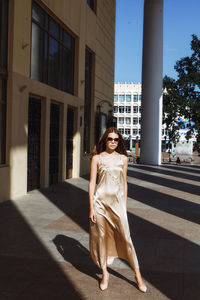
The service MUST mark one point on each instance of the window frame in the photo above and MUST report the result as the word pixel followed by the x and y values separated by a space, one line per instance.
pixel 46 31
pixel 128 109
pixel 119 121
pixel 129 131
pixel 135 119
pixel 87 143
pixel 126 120
pixel 4 36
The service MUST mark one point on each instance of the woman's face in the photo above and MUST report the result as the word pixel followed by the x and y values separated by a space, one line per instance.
pixel 112 141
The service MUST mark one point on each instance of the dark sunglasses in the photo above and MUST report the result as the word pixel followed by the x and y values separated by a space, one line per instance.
pixel 109 139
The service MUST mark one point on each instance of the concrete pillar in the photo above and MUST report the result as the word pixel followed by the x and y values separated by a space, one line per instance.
pixel 152 75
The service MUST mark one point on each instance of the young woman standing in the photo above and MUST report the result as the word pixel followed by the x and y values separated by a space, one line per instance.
pixel 109 229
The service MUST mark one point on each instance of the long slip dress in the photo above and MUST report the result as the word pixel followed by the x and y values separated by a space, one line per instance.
pixel 110 235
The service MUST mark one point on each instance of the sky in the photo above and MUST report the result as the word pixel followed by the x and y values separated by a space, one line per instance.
pixel 181 20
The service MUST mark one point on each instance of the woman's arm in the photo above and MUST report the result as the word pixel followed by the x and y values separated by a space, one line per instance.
pixel 125 158
pixel 92 184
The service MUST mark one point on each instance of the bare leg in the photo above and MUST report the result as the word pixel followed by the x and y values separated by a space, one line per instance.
pixel 141 285
pixel 105 279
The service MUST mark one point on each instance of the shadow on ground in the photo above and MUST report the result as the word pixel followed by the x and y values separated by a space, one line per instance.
pixel 28 272
pixel 176 263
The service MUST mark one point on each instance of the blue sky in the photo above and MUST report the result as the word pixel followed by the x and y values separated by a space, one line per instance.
pixel 181 20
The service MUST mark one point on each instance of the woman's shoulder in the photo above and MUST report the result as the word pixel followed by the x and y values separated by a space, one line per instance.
pixel 123 157
pixel 95 158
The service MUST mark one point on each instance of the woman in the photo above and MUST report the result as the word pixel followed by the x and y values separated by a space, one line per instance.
pixel 109 229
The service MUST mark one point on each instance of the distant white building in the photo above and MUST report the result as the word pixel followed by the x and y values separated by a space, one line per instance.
pixel 127 110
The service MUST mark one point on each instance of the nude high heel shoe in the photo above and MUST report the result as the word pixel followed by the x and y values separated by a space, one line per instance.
pixel 103 286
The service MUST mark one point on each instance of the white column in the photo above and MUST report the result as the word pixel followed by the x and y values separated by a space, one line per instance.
pixel 152 75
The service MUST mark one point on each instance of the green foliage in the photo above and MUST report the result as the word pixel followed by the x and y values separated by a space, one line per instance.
pixel 182 96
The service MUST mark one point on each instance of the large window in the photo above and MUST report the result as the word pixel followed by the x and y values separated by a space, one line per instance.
pixel 3 76
pixel 115 109
pixel 135 131
pixel 121 130
pixel 121 98
pixel 52 52
pixel 121 109
pixel 3 84
pixel 135 121
pixel 115 98
pixel 128 121
pixel 127 131
pixel 88 98
pixel 128 109
pixel 135 109
pixel 135 98
pixel 128 98
pixel 121 120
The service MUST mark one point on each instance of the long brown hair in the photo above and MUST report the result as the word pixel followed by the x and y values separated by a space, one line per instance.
pixel 101 146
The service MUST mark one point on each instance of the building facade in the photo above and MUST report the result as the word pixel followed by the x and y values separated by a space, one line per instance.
pixel 56 80
pixel 127 110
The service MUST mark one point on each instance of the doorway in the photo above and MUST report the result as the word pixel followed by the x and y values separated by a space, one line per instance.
pixel 34 133
pixel 54 143
pixel 69 142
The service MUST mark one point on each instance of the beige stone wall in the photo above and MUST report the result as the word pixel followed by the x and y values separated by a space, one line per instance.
pixel 96 31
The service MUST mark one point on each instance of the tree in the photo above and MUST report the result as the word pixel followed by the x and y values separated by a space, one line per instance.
pixel 181 97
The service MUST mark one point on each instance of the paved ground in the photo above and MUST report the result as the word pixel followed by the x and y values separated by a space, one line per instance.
pixel 44 240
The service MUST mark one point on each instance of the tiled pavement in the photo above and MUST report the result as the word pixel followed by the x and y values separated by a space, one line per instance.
pixel 44 240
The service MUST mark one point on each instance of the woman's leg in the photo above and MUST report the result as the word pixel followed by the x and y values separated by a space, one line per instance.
pixel 135 266
pixel 141 285
pixel 105 279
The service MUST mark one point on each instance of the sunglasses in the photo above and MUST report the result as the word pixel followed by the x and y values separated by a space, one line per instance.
pixel 109 139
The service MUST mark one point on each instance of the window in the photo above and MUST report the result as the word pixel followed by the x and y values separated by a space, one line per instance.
pixel 52 52
pixel 135 109
pixel 128 98
pixel 121 120
pixel 121 98
pixel 135 98
pixel 92 4
pixel 128 109
pixel 3 76
pixel 135 131
pixel 3 33
pixel 88 99
pixel 121 130
pixel 139 120
pixel 103 123
pixel 140 97
pixel 3 84
pixel 139 131
pixel 115 98
pixel 115 109
pixel 128 121
pixel 163 131
pixel 135 121
pixel 127 131
pixel 121 109
pixel 139 109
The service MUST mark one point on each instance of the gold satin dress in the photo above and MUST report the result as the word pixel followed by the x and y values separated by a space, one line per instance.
pixel 110 235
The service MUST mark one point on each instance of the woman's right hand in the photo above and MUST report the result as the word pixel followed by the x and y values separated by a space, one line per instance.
pixel 92 216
